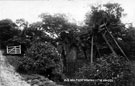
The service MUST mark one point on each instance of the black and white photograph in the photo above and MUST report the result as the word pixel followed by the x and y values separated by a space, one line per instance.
pixel 67 43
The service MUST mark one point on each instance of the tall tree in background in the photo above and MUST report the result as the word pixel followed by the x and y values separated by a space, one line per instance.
pixel 8 29
pixel 22 23
pixel 109 14
pixel 62 31
pixel 53 24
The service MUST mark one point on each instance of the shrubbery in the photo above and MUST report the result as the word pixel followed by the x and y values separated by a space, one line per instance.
pixel 107 67
pixel 42 58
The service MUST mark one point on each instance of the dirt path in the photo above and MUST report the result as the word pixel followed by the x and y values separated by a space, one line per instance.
pixel 8 76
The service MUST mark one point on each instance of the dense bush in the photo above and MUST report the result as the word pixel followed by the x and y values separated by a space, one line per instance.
pixel 41 58
pixel 111 67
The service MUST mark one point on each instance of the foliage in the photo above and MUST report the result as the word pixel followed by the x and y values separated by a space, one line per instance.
pixel 55 24
pixel 39 41
pixel 22 23
pixel 8 29
pixel 40 58
pixel 111 67
pixel 109 14
pixel 29 34
pixel 14 60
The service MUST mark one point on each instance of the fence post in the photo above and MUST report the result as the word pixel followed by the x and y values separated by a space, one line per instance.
pixel 15 49
pixel 7 49
pixel 20 48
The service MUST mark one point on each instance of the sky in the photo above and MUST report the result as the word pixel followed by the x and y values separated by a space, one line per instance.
pixel 74 9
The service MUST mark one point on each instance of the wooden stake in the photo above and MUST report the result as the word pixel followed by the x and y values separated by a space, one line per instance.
pixel 111 48
pixel 117 44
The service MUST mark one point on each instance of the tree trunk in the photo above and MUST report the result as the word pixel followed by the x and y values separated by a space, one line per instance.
pixel 64 56
pixel 85 54
pixel 98 51
pixel 91 56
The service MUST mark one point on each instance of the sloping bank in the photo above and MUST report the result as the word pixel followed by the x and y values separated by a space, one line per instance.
pixel 8 76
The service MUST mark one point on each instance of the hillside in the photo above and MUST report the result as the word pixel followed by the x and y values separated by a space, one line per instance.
pixel 9 77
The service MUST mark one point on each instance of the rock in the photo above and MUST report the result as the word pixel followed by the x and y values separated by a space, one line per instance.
pixel 35 81
pixel 29 81
pixel 40 83
pixel 43 78
pixel 35 85
pixel 50 83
